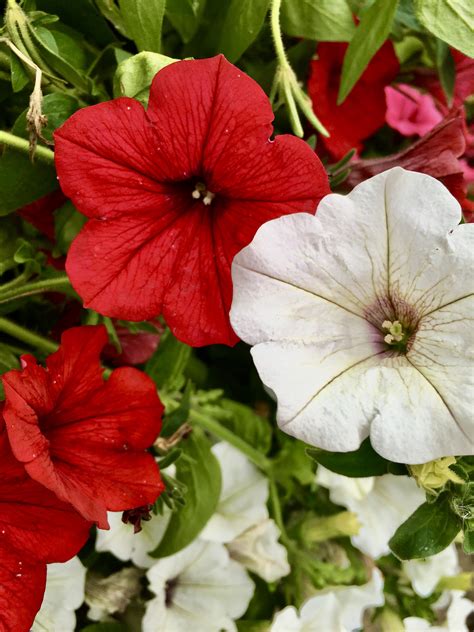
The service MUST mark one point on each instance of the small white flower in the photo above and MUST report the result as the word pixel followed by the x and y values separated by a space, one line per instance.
pixel 64 594
pixel 425 574
pixel 381 504
pixel 259 551
pixel 121 541
pixel 322 299
pixel 199 589
pixel 243 498
pixel 337 610
pixel 456 616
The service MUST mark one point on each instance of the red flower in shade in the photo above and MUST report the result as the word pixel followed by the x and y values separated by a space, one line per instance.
pixel 463 83
pixel 175 192
pixel 436 154
pixel 363 111
pixel 40 212
pixel 81 437
pixel 35 528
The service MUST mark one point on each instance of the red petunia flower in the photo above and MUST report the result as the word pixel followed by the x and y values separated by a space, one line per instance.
pixel 81 437
pixel 40 213
pixel 436 154
pixel 175 192
pixel 36 528
pixel 363 111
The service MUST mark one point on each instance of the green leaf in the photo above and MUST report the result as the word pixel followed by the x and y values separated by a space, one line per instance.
pixel 468 544
pixel 242 24
pixel 143 20
pixel 49 52
pixel 446 69
pixel 372 31
pixel 172 421
pixel 450 20
pixel 67 224
pixel 22 181
pixel 429 530
pixel 134 75
pixel 83 16
pixel 166 366
pixel 325 20
pixel 8 237
pixel 357 464
pixel 199 470
pixel 185 16
pixel 245 423
pixel 19 76
pixel 8 361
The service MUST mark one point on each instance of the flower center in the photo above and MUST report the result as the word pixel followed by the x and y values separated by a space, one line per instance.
pixel 397 334
pixel 170 587
pixel 202 192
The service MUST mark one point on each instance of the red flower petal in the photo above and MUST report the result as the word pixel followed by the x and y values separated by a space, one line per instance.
pixel 40 212
pixel 77 435
pixel 363 111
pixel 154 248
pixel 436 154
pixel 35 528
pixel 21 592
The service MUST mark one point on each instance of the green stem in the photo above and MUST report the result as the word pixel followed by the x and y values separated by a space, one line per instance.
pixel 276 32
pixel 43 153
pixel 58 284
pixel 25 335
pixel 215 428
pixel 277 515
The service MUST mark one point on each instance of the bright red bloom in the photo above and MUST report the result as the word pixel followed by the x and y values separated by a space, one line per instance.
pixel 363 111
pixel 81 437
pixel 175 192
pixel 35 528
pixel 436 154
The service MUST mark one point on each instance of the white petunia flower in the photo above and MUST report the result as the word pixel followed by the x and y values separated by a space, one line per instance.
pixel 259 551
pixel 199 589
pixel 459 610
pixel 381 504
pixel 361 316
pixel 243 498
pixel 338 610
pixel 121 541
pixel 425 574
pixel 64 594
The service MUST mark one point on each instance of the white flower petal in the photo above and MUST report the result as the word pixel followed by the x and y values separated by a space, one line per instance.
pixel 338 610
pixel 411 422
pixel 287 620
pixel 399 496
pixel 259 551
pixel 121 541
pixel 311 293
pixel 64 594
pixel 206 584
pixel 243 498
pixel 425 574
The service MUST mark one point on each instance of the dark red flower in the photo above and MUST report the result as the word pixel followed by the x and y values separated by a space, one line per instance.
pixel 36 528
pixel 463 83
pixel 81 437
pixel 40 212
pixel 175 192
pixel 137 347
pixel 363 111
pixel 435 154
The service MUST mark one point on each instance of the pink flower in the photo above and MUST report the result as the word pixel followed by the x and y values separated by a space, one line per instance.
pixel 409 111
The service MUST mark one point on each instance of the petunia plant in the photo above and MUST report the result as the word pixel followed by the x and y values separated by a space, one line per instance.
pixel 236 298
